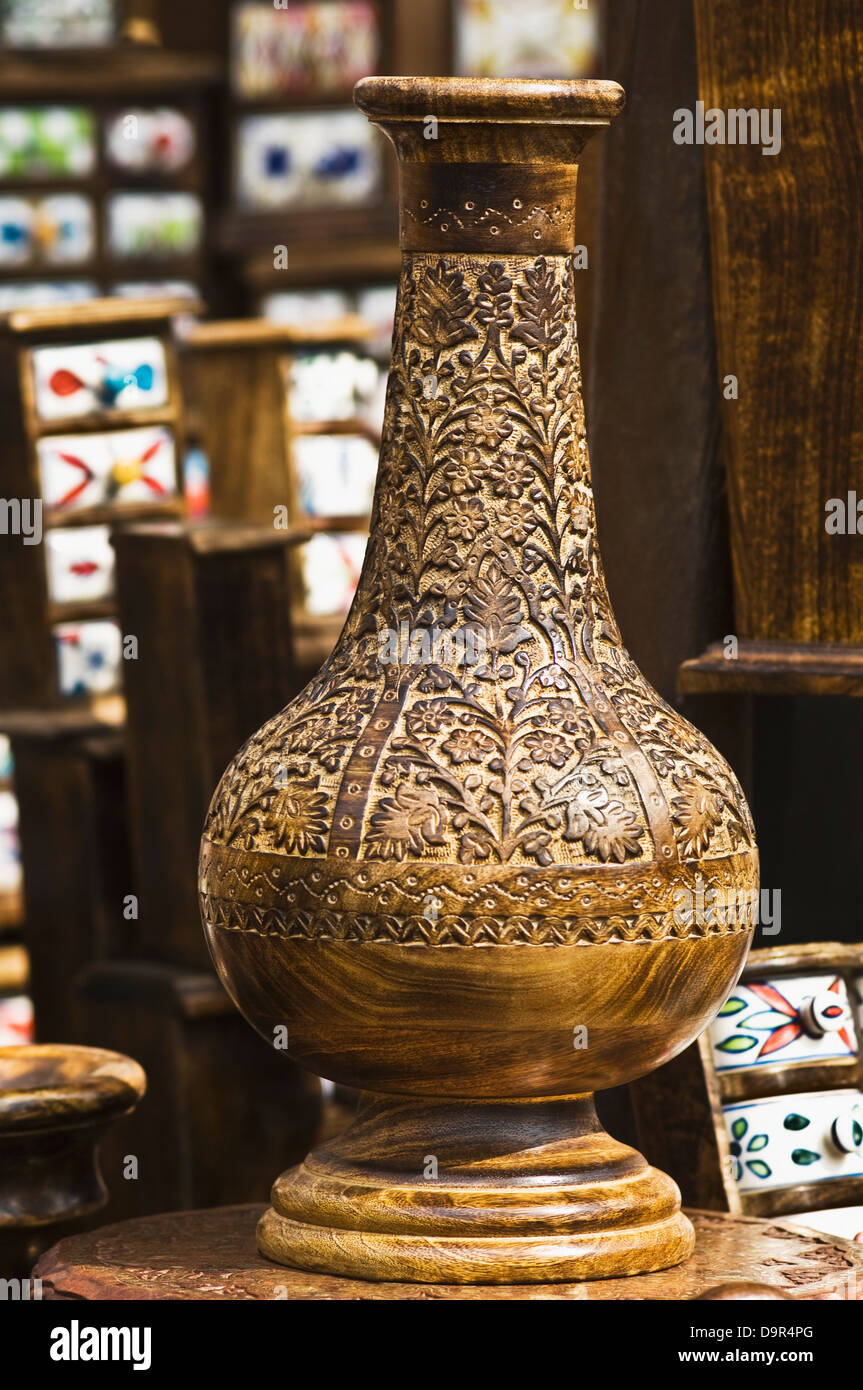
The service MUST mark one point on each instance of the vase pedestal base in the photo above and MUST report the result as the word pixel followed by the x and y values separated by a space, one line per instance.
pixel 475 1192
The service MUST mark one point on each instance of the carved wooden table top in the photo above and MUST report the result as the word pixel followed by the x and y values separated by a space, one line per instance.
pixel 212 1255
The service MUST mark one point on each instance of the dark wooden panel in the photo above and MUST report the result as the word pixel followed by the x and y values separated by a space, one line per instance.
pixel 787 242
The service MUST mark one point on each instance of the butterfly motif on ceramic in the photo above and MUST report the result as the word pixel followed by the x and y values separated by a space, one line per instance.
pixel 125 466
pixel 807 1018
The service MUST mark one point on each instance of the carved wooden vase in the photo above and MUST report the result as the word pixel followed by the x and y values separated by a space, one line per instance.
pixel 450 873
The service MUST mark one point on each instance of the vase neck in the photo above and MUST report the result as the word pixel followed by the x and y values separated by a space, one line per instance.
pixel 487 166
pixel 484 488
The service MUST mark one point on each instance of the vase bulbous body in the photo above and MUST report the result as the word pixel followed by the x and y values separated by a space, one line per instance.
pixel 463 868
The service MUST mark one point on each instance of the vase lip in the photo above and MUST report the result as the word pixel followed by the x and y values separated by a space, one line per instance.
pixel 534 101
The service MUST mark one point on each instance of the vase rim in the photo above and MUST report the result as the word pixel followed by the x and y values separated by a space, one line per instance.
pixel 575 101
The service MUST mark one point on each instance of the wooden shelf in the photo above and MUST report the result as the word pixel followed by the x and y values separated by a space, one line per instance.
pixel 98 314
pixel 82 611
pixel 773 668
pixel 103 421
pixel 252 333
pixel 116 514
pixel 67 721
pixel 130 71
pixel 352 425
pixel 325 260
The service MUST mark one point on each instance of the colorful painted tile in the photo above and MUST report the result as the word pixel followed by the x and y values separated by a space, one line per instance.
pixel 80 562
pixel 845 1222
pixel 150 140
pixel 813 1136
pixel 10 848
pixel 114 468
pixel 331 565
pixel 317 160
pixel 88 657
pixel 16 1021
pixel 58 23
pixel 303 48
pixel 99 377
pixel 333 385
pixel 508 38
pixel 53 230
pixel 33 294
pixel 799 1018
pixel 5 759
pixel 154 226
pixel 46 142
pixel 335 474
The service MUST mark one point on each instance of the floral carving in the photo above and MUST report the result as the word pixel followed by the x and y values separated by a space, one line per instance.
pixel 549 748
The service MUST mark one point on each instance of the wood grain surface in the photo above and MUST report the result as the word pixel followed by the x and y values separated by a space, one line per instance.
pixel 211 1255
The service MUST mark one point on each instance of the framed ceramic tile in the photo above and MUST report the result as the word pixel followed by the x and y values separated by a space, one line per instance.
pixel 80 561
pixel 814 1136
pixel 335 474
pixel 88 657
pixel 156 140
pixel 54 230
pixel 5 759
pixel 58 23
pixel 16 1021
pixel 46 142
pixel 153 225
pixel 155 289
pixel 99 377
pixel 845 1222
pixel 110 469
pixel 508 38
pixel 332 385
pixel 10 849
pixel 29 294
pixel 309 160
pixel 796 1018
pixel 331 565
pixel 317 308
pixel 309 47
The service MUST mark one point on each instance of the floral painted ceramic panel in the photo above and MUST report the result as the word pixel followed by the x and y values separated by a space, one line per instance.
pixel 303 48
pixel 331 565
pixel 80 563
pixel 155 140
pixel 846 1222
pixel 333 386
pixel 31 294
pixel 809 1137
pixel 335 474
pixel 46 142
pixel 120 466
pixel 800 1018
pixel 99 377
pixel 58 23
pixel 508 38
pixel 10 848
pixel 54 230
pixel 5 759
pixel 316 159
pixel 155 289
pixel 16 1021
pixel 88 657
pixel 154 225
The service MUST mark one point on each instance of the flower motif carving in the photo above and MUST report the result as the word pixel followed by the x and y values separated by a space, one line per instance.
pixel 550 748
